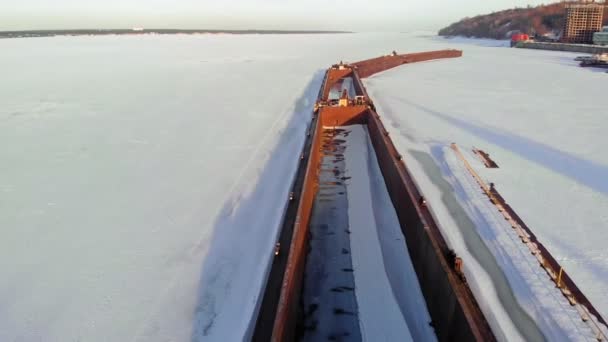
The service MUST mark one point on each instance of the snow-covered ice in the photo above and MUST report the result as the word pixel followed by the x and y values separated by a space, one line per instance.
pixel 542 119
pixel 143 178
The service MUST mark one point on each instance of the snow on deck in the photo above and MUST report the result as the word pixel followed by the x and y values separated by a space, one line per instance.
pixel 390 301
pixel 359 281
pixel 533 287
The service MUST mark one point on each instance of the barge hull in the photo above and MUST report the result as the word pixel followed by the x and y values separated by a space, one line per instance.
pixel 454 311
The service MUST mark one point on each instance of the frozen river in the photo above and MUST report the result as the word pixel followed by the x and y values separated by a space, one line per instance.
pixel 143 178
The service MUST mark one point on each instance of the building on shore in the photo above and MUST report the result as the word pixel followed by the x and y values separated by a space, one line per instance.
pixel 601 38
pixel 583 19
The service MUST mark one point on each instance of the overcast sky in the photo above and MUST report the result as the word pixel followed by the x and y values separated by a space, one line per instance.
pixel 355 15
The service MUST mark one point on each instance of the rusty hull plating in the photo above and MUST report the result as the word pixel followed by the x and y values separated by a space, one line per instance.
pixel 372 66
pixel 453 308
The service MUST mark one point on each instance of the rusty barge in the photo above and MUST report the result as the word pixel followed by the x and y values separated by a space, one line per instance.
pixel 453 308
pixel 343 101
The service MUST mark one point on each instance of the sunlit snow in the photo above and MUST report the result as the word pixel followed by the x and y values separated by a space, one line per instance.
pixel 143 179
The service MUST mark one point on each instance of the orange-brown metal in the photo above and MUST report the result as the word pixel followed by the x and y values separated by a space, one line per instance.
pixel 343 116
pixel 335 75
pixel 485 159
pixel 285 323
pixel 372 66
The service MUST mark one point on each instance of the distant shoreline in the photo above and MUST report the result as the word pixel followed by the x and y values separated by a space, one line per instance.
pixel 472 37
pixel 102 32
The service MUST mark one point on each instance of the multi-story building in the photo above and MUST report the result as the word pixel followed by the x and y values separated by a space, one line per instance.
pixel 583 19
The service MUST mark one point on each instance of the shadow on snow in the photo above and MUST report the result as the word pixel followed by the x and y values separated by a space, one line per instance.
pixel 588 173
pixel 234 271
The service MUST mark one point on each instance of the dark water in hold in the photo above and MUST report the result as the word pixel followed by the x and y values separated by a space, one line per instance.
pixel 330 306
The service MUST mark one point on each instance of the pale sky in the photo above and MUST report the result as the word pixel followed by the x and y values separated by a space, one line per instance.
pixel 354 15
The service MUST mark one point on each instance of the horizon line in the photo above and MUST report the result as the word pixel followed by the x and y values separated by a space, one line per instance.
pixel 143 30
